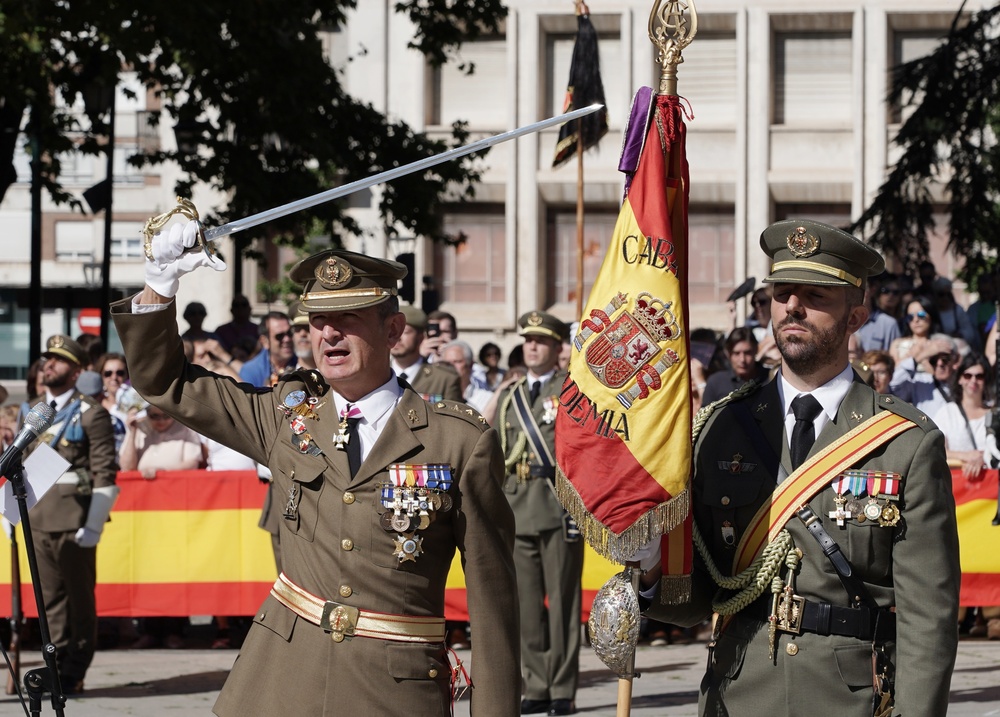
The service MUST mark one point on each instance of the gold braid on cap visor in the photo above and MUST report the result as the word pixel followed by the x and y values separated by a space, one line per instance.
pixel 543 331
pixel 818 268
pixel 317 296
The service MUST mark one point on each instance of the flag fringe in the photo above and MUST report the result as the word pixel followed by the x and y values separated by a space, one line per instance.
pixel 620 547
pixel 675 589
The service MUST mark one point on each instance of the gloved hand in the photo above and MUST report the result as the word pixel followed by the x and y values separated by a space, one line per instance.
pixel 648 555
pixel 87 538
pixel 170 263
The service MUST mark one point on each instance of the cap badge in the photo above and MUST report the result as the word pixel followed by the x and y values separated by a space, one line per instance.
pixel 535 319
pixel 801 243
pixel 56 342
pixel 333 273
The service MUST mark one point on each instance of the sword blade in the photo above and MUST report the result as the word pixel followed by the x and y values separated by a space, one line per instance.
pixel 298 205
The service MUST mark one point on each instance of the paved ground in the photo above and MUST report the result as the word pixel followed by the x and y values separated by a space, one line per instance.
pixel 186 682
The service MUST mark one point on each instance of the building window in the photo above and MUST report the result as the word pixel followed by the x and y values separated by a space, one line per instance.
pixel 75 241
pixel 598 226
pixel 907 46
pixel 813 79
pixel 709 77
pixel 476 270
pixel 712 244
pixel 479 98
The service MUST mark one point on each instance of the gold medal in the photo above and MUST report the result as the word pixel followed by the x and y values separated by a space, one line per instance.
pixel 889 516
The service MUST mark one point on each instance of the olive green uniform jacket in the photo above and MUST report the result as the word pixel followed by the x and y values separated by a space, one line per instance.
pixel 334 547
pixel 912 567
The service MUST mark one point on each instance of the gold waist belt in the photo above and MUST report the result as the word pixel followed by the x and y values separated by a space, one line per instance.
pixel 348 621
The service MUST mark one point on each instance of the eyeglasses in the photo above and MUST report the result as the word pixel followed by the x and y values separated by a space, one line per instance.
pixel 940 358
pixel 919 315
pixel 120 373
pixel 887 290
pixel 156 416
pixel 969 376
pixel 282 336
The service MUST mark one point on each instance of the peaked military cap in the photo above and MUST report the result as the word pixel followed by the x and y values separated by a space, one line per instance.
pixel 414 316
pixel 337 280
pixel 539 323
pixel 296 314
pixel 66 348
pixel 803 251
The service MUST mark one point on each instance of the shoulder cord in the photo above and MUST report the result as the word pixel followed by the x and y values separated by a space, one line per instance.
pixel 514 456
pixel 754 580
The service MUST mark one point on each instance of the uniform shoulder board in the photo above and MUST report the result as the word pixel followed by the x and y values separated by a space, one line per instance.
pixel 906 410
pixel 312 380
pixel 459 410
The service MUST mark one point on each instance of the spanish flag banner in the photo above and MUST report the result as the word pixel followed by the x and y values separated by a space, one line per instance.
pixel 623 430
pixel 975 509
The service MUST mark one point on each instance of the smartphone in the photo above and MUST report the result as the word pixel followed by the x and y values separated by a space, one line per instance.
pixel 433 329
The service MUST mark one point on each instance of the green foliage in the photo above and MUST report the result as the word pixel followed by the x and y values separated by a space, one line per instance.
pixel 949 141
pixel 250 79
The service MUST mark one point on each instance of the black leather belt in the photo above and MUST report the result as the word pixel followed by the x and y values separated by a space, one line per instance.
pixel 823 618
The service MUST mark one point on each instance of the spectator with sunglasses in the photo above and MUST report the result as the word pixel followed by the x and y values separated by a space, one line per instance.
pixel 114 375
pixel 923 378
pixel 920 321
pixel 277 352
pixel 888 298
pixel 963 418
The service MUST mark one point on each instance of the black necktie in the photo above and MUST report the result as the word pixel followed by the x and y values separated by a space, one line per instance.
pixel 533 391
pixel 805 408
pixel 353 445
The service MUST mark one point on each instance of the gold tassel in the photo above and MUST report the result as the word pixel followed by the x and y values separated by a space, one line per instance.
pixel 619 547
pixel 675 589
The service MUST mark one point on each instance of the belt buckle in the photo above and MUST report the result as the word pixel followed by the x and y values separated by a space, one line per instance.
pixel 789 613
pixel 339 620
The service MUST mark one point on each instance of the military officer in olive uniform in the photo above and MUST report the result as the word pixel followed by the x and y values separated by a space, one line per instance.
pixel 378 488
pixel 876 484
pixel 433 381
pixel 548 551
pixel 68 520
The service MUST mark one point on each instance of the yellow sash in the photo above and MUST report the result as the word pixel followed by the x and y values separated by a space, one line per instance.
pixel 811 477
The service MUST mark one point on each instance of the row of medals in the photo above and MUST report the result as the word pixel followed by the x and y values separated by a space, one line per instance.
pixel 885 513
pixel 405 509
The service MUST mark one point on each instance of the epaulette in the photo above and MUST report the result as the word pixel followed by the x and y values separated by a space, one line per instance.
pixel 906 410
pixel 460 410
pixel 705 412
pixel 312 379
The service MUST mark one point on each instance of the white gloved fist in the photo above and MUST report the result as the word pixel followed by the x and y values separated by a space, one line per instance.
pixel 648 555
pixel 170 262
pixel 87 538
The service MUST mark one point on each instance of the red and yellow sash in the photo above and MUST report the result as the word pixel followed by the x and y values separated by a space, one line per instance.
pixel 810 478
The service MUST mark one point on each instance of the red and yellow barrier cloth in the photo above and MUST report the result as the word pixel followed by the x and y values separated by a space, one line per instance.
pixel 188 543
pixel 623 430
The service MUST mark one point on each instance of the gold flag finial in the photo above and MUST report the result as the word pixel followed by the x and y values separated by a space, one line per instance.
pixel 671 32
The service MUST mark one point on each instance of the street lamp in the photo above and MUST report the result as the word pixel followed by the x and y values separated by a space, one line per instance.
pixel 93 274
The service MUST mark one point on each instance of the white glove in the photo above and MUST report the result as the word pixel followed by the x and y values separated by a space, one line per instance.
pixel 648 555
pixel 87 538
pixel 170 262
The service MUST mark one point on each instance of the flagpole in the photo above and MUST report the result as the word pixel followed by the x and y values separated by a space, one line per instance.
pixel 581 9
pixel 670 32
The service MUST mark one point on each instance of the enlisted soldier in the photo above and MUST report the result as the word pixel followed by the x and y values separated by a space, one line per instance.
pixel 68 520
pixel 378 488
pixel 847 473
pixel 433 381
pixel 548 552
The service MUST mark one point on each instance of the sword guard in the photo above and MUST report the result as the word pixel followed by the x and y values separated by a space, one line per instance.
pixel 186 209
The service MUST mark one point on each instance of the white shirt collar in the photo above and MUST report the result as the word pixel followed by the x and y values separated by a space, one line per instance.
pixel 376 405
pixel 410 372
pixel 61 400
pixel 830 395
pixel 532 380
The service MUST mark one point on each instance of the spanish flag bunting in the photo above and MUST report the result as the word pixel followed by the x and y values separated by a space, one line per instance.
pixel 623 430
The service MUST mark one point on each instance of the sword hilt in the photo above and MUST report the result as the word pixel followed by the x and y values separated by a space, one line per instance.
pixel 186 209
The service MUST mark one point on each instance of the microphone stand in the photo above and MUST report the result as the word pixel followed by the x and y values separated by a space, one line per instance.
pixel 41 679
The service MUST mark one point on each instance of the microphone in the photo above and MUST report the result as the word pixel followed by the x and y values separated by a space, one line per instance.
pixel 38 419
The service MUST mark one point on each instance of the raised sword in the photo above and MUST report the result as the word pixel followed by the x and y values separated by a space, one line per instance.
pixel 207 238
